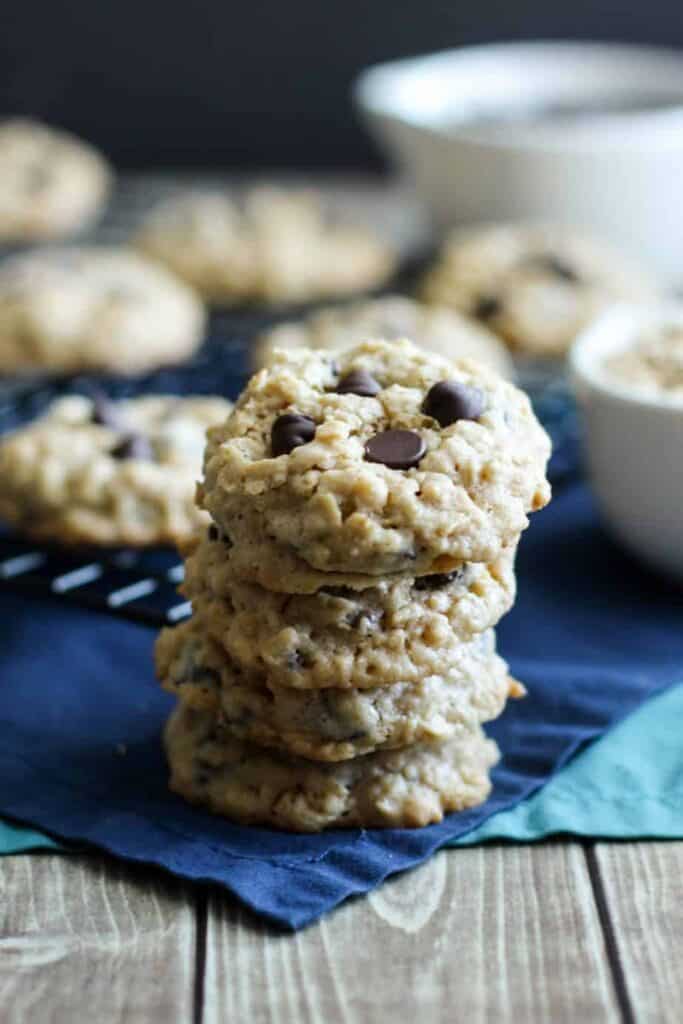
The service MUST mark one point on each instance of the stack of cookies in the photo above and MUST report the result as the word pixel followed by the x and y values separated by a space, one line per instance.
pixel 366 508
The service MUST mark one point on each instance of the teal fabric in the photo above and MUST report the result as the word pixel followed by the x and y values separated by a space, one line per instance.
pixel 627 785
pixel 16 840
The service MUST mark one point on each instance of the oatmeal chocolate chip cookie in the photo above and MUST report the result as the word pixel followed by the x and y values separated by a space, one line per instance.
pixel 95 471
pixel 334 724
pixel 433 328
pixel 275 246
pixel 396 630
pixel 251 556
pixel 536 286
pixel 412 787
pixel 396 482
pixel 93 308
pixel 51 183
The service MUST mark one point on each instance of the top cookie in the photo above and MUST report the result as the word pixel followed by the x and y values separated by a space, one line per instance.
pixel 275 247
pixel 51 183
pixel 383 460
pixel 535 285
pixel 93 308
pixel 432 328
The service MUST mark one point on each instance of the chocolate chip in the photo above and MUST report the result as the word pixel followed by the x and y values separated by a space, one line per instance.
pixel 486 307
pixel 204 676
pixel 448 401
pixel 215 534
pixel 290 431
pixel 397 449
pixel 358 382
pixel 346 592
pixel 133 446
pixel 557 267
pixel 437 580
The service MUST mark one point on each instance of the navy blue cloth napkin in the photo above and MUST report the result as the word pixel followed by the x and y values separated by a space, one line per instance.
pixel 592 635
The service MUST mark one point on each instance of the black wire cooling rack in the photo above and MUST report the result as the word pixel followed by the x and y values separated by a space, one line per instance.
pixel 134 585
pixel 142 585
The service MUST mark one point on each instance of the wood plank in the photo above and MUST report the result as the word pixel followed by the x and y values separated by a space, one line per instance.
pixel 643 886
pixel 83 939
pixel 496 933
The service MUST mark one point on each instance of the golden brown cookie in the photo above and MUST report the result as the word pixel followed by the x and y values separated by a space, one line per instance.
pixel 93 471
pixel 275 246
pixel 334 724
pixel 384 460
pixel 535 285
pixel 399 788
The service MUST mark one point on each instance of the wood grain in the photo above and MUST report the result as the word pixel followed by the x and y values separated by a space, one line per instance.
pixel 496 934
pixel 88 940
pixel 643 885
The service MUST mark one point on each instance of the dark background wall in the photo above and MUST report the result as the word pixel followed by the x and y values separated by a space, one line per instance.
pixel 259 82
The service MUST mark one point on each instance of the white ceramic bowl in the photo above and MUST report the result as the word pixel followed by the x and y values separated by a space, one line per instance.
pixel 616 173
pixel 634 441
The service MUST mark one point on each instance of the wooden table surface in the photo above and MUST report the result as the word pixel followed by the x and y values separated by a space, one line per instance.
pixel 548 933
pixel 555 932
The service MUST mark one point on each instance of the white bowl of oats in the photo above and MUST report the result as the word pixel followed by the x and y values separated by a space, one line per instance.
pixel 627 370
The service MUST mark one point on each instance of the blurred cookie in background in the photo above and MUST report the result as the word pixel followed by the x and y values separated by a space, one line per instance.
pixel 63 310
pixel 536 286
pixel 96 471
pixel 432 328
pixel 52 184
pixel 275 246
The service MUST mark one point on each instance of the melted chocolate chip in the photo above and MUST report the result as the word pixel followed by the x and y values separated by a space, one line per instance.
pixel 290 431
pixel 133 446
pixel 437 580
pixel 215 534
pixel 449 401
pixel 486 307
pixel 397 449
pixel 358 382
pixel 346 592
pixel 204 676
pixel 552 264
